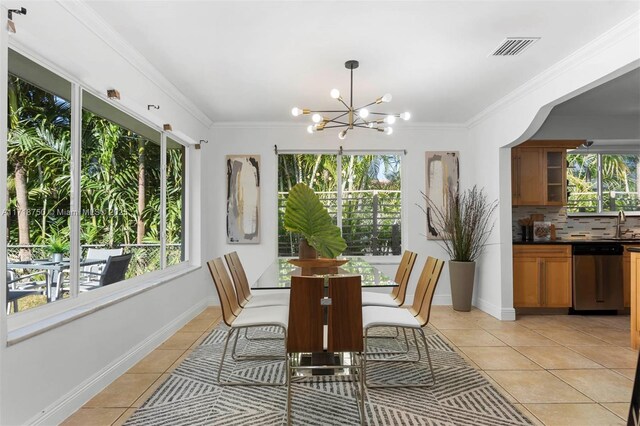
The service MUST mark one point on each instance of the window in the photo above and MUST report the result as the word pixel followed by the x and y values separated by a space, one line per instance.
pixel 175 238
pixel 601 182
pixel 361 192
pixel 124 165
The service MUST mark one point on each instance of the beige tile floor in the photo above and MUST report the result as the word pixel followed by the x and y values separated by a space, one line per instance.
pixel 558 370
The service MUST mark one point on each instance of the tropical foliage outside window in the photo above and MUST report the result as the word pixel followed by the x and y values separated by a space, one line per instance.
pixel 120 181
pixel 368 195
pixel 618 175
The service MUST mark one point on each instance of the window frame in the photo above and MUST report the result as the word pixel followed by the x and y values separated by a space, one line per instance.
pixel 339 153
pixel 599 153
pixel 42 318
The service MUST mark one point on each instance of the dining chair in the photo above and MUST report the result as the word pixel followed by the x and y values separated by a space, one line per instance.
pixel 413 318
pixel 342 334
pixel 398 294
pixel 246 299
pixel 238 318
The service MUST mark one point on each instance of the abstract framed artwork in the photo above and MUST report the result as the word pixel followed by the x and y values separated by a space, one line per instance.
pixel 243 199
pixel 442 175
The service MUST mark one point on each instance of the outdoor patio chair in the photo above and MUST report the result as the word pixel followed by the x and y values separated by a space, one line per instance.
pixel 98 254
pixel 16 292
pixel 412 318
pixel 238 318
pixel 114 271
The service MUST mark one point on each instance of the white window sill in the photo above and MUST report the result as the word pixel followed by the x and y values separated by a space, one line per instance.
pixel 24 325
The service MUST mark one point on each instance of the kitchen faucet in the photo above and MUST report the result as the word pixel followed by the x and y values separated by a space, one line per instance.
pixel 619 221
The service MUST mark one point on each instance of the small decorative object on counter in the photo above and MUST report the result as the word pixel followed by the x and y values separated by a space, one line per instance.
pixel 552 232
pixel 541 231
pixel 526 227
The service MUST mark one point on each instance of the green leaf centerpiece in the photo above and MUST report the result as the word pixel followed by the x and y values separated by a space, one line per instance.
pixel 305 215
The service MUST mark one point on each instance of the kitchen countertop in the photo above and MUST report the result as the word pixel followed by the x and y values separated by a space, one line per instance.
pixel 581 241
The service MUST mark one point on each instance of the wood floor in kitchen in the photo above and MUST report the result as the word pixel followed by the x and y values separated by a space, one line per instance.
pixel 557 369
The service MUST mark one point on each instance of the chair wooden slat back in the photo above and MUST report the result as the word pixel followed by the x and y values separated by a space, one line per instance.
pixel 306 318
pixel 428 282
pixel 402 276
pixel 228 300
pixel 240 280
pixel 345 314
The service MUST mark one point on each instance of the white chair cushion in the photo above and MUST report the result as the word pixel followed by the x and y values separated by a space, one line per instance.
pixel 261 299
pixel 370 298
pixel 267 315
pixel 381 316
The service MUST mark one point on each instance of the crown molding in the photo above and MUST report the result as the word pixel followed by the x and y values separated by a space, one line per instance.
pixel 627 28
pixel 298 125
pixel 94 23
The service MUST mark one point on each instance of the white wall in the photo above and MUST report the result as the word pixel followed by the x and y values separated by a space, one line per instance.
pixel 261 140
pixel 516 119
pixel 47 377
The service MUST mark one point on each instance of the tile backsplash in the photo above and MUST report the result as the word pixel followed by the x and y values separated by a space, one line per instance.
pixel 575 226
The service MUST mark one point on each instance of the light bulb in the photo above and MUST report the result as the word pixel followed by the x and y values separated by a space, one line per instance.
pixel 295 111
pixel 309 128
pixel 370 125
pixel 388 130
pixel 342 135
pixel 386 97
pixel 405 116
pixel 363 113
pixel 390 119
pixel 335 93
pixel 316 118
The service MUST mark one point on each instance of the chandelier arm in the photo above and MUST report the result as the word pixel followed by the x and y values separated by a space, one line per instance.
pixel 332 111
pixel 336 126
pixel 385 113
pixel 364 106
pixel 362 126
pixel 339 116
pixel 344 103
pixel 338 122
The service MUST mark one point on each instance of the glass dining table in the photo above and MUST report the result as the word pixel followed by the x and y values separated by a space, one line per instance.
pixel 278 274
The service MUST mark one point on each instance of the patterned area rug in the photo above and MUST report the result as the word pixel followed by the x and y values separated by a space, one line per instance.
pixel 190 396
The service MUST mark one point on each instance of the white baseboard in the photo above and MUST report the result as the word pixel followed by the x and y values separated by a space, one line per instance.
pixel 504 314
pixel 57 412
pixel 441 299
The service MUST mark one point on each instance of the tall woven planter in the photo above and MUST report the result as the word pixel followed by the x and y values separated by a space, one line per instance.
pixel 462 275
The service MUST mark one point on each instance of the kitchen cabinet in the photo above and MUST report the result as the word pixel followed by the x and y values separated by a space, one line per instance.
pixel 539 173
pixel 542 276
pixel 626 274
pixel 635 298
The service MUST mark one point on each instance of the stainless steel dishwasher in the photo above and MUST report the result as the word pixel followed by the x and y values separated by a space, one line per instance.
pixel 597 277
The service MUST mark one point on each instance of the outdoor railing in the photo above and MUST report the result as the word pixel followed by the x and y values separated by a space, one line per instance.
pixel 146 257
pixel 371 222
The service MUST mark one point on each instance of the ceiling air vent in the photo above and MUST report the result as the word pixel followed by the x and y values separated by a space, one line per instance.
pixel 512 46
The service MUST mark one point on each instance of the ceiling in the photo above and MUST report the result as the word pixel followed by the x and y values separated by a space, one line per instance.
pixel 242 61
pixel 619 97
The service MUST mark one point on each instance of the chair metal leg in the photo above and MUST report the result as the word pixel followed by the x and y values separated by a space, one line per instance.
pixel 288 414
pixel 402 385
pixel 406 340
pixel 245 358
pixel 252 339
pixel 426 348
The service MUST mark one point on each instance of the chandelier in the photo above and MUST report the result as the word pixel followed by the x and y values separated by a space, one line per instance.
pixel 351 117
